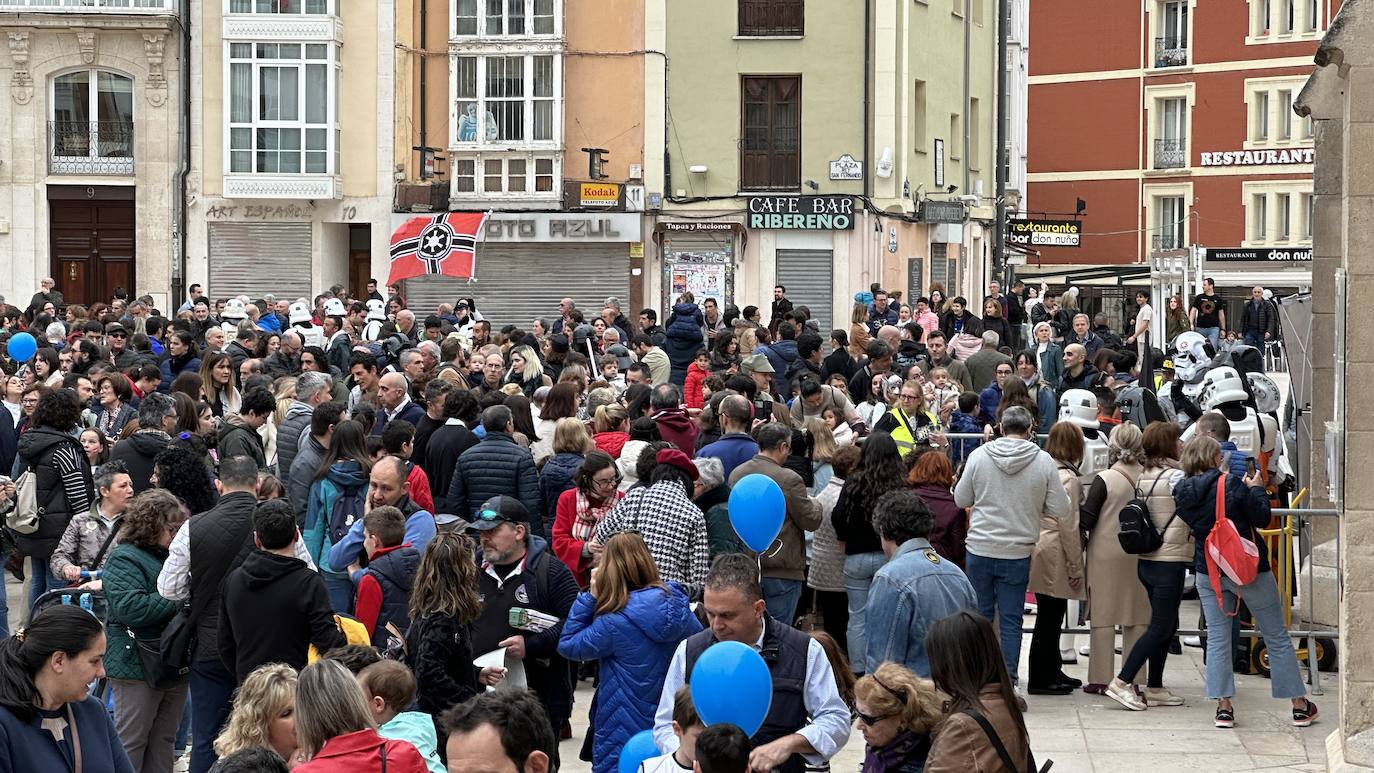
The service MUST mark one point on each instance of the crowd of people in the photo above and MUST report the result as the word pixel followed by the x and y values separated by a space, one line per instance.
pixel 343 534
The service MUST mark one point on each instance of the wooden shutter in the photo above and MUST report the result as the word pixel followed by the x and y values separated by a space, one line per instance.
pixel 770 144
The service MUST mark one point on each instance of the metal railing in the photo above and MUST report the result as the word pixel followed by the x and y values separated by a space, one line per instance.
pixel 1167 242
pixel 1171 52
pixel 1171 153
pixel 91 147
pixel 92 6
pixel 764 18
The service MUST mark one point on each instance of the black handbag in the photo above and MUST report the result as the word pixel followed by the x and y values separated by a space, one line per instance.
pixel 173 650
pixel 157 672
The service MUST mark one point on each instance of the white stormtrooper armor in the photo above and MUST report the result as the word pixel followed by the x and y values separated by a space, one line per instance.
pixel 234 313
pixel 1079 407
pixel 376 315
pixel 1223 392
pixel 1192 357
pixel 300 319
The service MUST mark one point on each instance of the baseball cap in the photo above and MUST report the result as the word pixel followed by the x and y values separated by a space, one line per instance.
pixel 757 363
pixel 115 327
pixel 499 510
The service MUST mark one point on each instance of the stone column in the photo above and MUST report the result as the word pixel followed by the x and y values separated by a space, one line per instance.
pixel 1340 98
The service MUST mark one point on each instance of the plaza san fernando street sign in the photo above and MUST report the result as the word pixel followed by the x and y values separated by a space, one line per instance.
pixel 801 213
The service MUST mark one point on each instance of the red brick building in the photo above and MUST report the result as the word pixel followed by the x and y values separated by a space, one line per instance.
pixel 1172 120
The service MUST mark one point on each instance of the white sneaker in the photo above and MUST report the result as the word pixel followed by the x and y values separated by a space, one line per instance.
pixel 1124 694
pixel 1192 641
pixel 1161 697
pixel 1020 697
pixel 1085 650
pixel 1068 656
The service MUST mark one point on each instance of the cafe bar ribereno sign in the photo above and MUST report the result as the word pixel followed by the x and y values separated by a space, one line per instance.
pixel 801 213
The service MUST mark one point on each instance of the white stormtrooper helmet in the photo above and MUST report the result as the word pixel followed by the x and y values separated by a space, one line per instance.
pixel 1079 406
pixel 1267 397
pixel 234 309
pixel 376 310
pixel 298 312
pixel 1222 385
pixel 1191 356
pixel 334 308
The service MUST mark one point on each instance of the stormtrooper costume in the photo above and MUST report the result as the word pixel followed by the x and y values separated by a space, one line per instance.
pixel 234 313
pixel 1079 407
pixel 1255 433
pixel 376 315
pixel 299 317
pixel 1179 398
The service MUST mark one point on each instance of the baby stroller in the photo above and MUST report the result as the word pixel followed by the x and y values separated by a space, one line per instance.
pixel 92 601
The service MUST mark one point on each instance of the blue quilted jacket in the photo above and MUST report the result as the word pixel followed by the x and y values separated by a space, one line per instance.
pixel 635 646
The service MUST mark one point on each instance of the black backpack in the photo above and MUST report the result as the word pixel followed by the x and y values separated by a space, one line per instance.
pixel 1138 535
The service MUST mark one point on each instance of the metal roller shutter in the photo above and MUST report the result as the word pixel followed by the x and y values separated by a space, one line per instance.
pixel 807 276
pixel 254 259
pixel 516 283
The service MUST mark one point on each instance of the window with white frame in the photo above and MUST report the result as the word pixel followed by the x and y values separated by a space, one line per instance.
pixel 1277 212
pixel 506 18
pixel 1171 45
pixel 321 7
pixel 282 108
pixel 1270 109
pixel 1281 21
pixel 1173 220
pixel 506 99
pixel 91 130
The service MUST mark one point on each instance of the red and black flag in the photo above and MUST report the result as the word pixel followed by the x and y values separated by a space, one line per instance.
pixel 437 245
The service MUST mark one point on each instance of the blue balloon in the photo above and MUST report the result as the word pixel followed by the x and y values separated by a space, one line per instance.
pixel 639 748
pixel 757 508
pixel 22 347
pixel 731 684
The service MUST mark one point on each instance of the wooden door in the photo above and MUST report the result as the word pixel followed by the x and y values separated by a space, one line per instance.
pixel 360 260
pixel 92 244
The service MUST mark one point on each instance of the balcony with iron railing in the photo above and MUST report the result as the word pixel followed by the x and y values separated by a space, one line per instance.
pixel 1168 241
pixel 91 147
pixel 91 6
pixel 772 18
pixel 1171 52
pixel 1171 154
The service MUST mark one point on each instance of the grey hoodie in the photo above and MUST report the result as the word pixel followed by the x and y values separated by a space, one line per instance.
pixel 1009 483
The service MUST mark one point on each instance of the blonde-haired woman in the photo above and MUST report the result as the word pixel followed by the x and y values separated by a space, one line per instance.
pixel 896 711
pixel 335 729
pixel 858 331
pixel 264 715
pixel 570 445
pixel 1115 595
pixel 526 371
pixel 632 622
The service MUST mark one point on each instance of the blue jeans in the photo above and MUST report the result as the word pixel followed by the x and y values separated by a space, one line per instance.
pixel 212 696
pixel 40 579
pixel 1255 338
pixel 1213 334
pixel 781 597
pixel 1262 598
pixel 1000 584
pixel 858 576
pixel 341 592
pixel 1163 581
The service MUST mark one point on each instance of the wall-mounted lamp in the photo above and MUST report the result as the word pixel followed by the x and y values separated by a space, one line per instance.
pixel 698 168
pixel 812 185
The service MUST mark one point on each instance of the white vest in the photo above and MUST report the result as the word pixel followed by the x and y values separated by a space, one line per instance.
pixel 1094 457
pixel 314 336
pixel 1246 433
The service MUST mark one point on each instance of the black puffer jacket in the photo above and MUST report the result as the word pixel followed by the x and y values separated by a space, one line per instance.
pixel 439 651
pixel 496 466
pixel 64 485
pixel 554 479
pixel 137 451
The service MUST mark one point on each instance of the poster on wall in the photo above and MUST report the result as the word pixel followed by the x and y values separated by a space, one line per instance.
pixel 702 280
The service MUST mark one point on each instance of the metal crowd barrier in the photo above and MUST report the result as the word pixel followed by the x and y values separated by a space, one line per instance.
pixel 1296 524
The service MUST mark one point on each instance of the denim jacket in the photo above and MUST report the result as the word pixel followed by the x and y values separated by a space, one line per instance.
pixel 912 590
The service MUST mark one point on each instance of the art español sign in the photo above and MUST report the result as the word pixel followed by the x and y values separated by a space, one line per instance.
pixel 801 213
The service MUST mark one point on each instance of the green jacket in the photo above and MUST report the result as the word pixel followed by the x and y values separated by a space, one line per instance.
pixel 135 608
pixel 238 439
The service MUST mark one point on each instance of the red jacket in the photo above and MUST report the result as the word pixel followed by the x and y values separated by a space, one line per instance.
pixel 419 488
pixel 569 550
pixel 361 752
pixel 692 389
pixel 611 442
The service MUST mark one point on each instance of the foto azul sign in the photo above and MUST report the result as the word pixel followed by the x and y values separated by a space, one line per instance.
pixel 801 213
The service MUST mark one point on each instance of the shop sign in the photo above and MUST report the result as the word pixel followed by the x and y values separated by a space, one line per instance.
pixel 801 213
pixel 1044 233
pixel 671 226
pixel 942 211
pixel 1257 157
pixel 1257 255
pixel 592 195
pixel 846 168
pixel 555 227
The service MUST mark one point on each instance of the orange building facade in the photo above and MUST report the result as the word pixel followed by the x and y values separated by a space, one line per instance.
pixel 1170 124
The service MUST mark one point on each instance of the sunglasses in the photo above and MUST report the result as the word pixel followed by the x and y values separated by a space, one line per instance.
pixel 488 514
pixel 870 720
